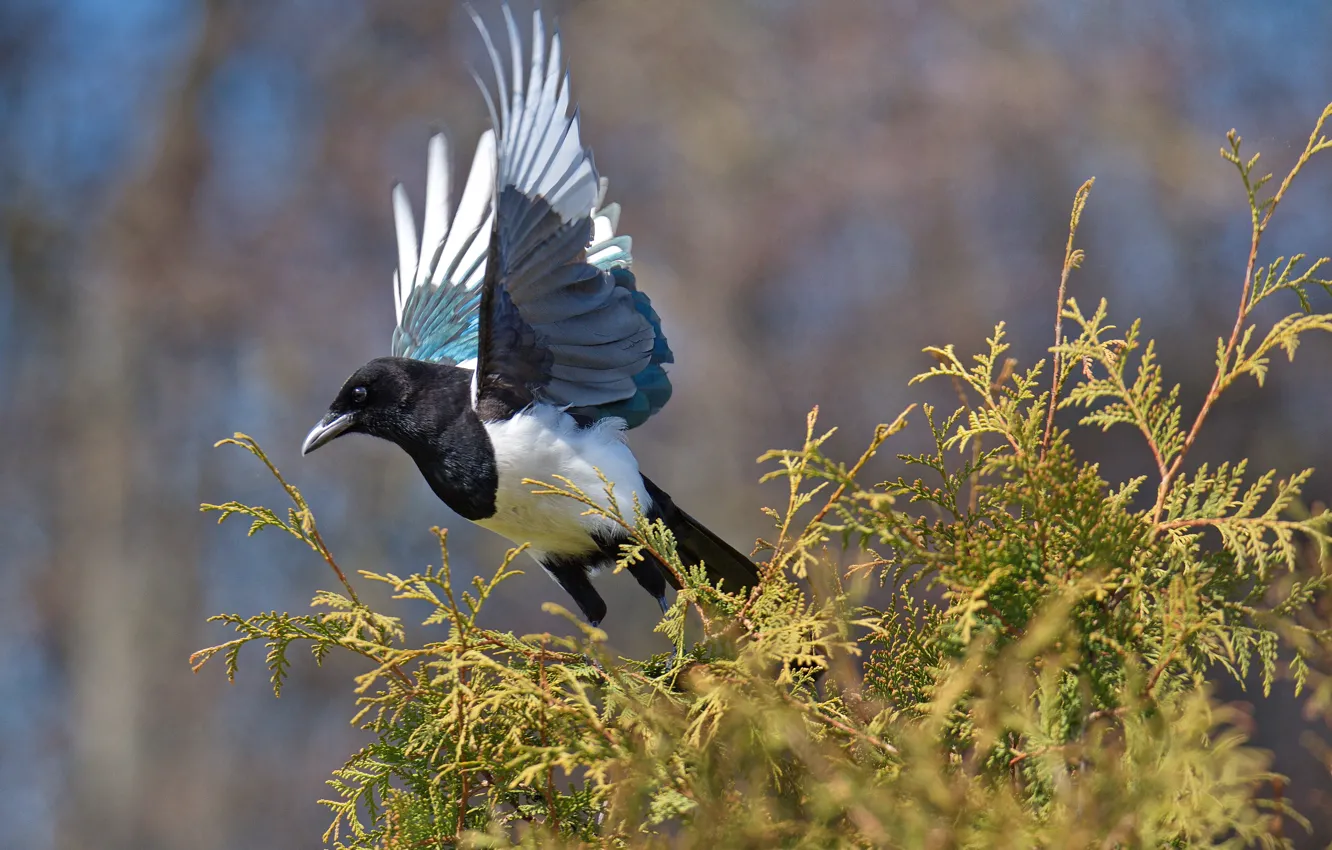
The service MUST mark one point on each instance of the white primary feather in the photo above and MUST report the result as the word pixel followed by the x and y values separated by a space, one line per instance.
pixel 541 149
pixel 405 226
pixel 544 155
pixel 436 223
pixel 462 257
pixel 541 443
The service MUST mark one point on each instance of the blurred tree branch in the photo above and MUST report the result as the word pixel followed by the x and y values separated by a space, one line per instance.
pixel 123 656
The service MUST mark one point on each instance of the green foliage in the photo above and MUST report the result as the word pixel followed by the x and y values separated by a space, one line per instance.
pixel 1039 675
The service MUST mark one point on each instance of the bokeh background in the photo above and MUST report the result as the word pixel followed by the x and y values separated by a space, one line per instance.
pixel 195 239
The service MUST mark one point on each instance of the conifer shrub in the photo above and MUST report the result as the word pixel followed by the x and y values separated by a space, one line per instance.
pixel 1043 674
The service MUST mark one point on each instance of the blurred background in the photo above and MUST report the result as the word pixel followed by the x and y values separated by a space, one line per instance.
pixel 195 239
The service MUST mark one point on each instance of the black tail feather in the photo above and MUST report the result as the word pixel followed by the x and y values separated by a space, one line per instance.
pixel 697 544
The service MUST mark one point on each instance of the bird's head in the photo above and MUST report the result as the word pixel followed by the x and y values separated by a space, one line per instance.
pixel 393 398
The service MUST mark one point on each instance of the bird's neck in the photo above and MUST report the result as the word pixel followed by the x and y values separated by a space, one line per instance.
pixel 458 463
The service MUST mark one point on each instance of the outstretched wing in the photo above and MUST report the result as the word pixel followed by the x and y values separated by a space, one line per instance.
pixel 561 320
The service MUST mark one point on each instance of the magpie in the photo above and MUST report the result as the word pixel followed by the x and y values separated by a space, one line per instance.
pixel 523 348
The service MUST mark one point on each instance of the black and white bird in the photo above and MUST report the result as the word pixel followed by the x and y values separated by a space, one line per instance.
pixel 523 348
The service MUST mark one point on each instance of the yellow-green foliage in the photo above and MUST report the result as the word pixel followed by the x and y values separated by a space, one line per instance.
pixel 1040 678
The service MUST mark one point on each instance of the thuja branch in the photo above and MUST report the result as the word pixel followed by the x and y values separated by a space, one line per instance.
pixel 1260 215
pixel 1072 259
pixel 301 521
pixel 881 433
pixel 796 469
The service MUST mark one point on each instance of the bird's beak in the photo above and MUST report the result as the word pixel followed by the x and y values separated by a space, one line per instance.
pixel 329 427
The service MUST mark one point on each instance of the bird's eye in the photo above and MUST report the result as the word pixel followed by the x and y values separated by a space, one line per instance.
pixel 359 394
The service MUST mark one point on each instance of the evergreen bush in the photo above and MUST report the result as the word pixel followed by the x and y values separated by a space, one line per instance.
pixel 1043 675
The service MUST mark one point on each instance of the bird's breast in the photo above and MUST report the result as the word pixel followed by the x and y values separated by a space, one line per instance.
pixel 543 443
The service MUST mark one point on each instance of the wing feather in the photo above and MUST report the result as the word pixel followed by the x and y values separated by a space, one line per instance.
pixel 436 222
pixel 405 227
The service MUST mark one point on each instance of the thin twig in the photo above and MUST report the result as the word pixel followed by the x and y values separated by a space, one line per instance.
pixel 328 559
pixel 1072 259
pixel 796 476
pixel 463 794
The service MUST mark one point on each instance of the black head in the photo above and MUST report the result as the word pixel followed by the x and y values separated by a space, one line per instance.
pixel 394 398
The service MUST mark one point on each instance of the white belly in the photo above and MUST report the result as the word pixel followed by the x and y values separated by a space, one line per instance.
pixel 542 443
